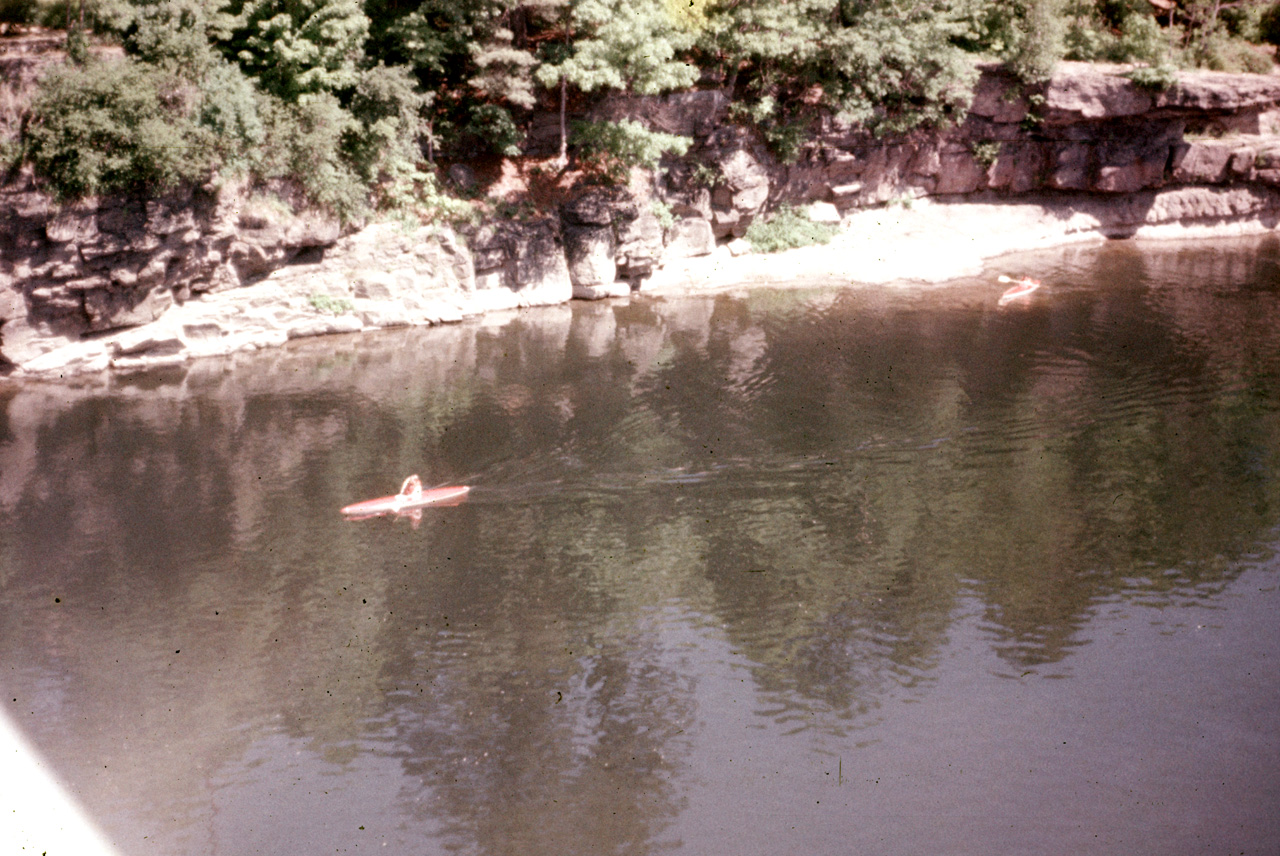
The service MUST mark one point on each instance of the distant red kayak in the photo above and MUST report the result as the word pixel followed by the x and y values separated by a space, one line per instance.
pixel 1021 288
pixel 403 503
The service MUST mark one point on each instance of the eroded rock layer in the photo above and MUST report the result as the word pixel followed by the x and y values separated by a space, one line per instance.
pixel 212 270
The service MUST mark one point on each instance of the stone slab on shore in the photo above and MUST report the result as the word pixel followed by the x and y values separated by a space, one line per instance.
pixel 937 241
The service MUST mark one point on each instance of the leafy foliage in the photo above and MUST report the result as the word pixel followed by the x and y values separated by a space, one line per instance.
pixel 175 35
pixel 494 124
pixel 985 152
pixel 297 48
pixel 889 64
pixel 611 149
pixel 1039 40
pixel 115 126
pixel 381 145
pixel 342 96
pixel 230 109
pixel 1137 37
pixel 629 45
pixel 327 304
pixel 475 57
pixel 1219 51
pixel 894 73
pixel 787 229
pixel 1154 78
pixel 304 142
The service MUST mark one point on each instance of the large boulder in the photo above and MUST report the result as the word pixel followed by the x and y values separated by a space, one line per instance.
pixel 1209 92
pixel 1082 92
pixel 639 245
pixel 744 180
pixel 600 206
pixel 1135 157
pixel 590 252
pixel 101 265
pixel 610 234
pixel 690 237
pixel 523 258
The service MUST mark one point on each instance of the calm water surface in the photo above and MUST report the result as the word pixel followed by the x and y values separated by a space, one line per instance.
pixel 876 571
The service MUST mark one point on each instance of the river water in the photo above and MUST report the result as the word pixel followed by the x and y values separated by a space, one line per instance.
pixel 796 570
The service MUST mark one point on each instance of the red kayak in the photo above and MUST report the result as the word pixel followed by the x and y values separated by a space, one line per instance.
pixel 407 501
pixel 1021 288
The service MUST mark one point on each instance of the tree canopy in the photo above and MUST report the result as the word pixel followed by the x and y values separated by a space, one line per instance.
pixel 359 93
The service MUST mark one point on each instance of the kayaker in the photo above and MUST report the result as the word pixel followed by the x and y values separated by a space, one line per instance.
pixel 1022 287
pixel 412 488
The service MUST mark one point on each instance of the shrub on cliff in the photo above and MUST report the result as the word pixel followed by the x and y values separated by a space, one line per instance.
pixel 304 143
pixel 174 110
pixel 1028 35
pixel 382 145
pixel 173 34
pixel 1039 40
pixel 609 150
pixel 626 45
pixel 893 73
pixel 475 57
pixel 115 126
pixel 387 111
pixel 1219 51
pixel 787 229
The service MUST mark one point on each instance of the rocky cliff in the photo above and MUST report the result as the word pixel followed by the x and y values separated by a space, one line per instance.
pixel 217 269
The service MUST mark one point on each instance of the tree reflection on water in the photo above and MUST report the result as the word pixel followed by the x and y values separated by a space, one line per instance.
pixel 818 480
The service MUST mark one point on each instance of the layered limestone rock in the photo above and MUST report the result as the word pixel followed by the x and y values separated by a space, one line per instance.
pixel 1090 129
pixel 382 276
pixel 92 267
pixel 212 270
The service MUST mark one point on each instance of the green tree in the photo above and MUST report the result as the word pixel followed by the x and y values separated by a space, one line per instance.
pixel 765 39
pixel 305 142
pixel 387 109
pixel 1039 39
pixel 611 149
pixel 1215 34
pixel 891 64
pixel 112 126
pixel 627 45
pixel 297 48
pixel 175 34
pixel 476 56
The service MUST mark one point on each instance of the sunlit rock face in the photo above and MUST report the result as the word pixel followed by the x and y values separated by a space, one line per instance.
pixel 219 269
pixel 97 266
pixel 1091 129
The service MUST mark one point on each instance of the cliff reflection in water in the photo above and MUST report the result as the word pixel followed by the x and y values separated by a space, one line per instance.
pixel 805 488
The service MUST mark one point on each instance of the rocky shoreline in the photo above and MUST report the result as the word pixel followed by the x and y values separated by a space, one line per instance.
pixel 926 242
pixel 129 284
pixel 938 241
